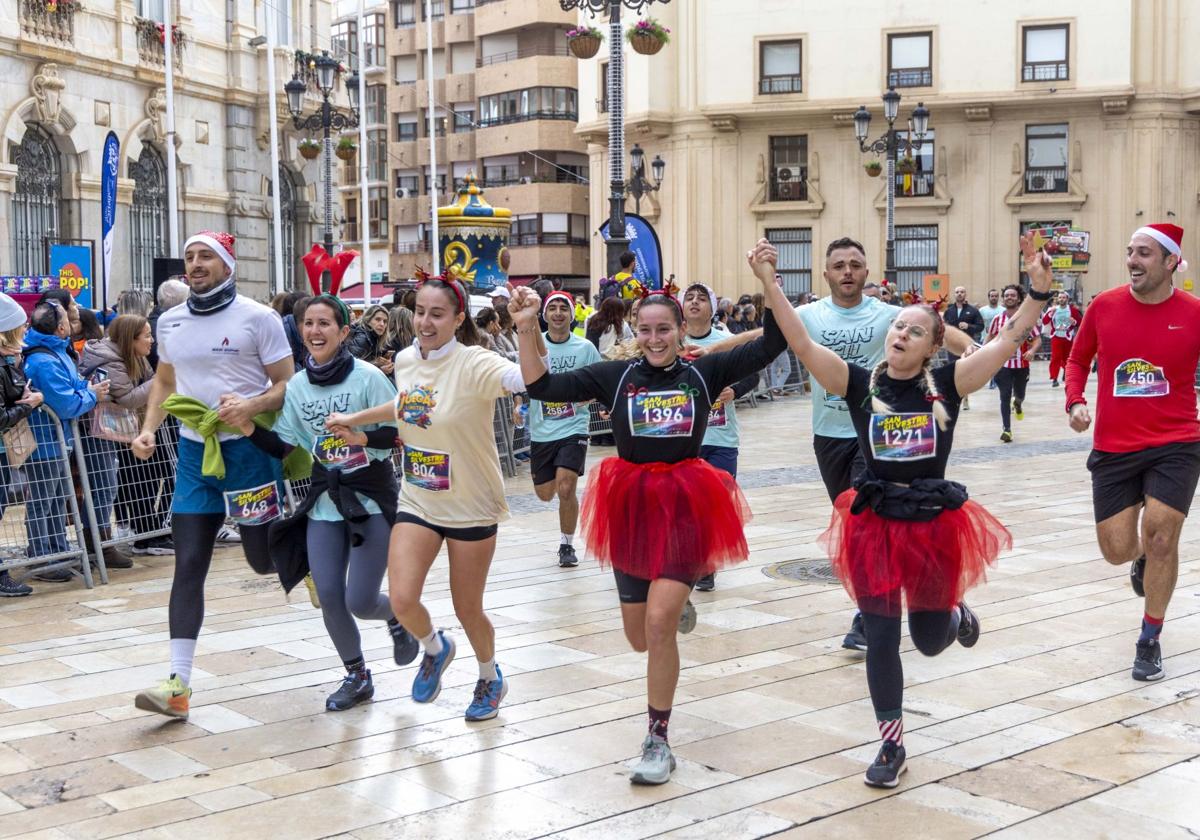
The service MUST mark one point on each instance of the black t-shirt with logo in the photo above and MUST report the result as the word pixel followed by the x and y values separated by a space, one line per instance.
pixel 906 444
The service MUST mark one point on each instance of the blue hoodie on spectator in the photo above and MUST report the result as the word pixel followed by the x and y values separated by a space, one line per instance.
pixel 53 372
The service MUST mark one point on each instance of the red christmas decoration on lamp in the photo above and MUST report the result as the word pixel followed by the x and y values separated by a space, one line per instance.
pixel 318 260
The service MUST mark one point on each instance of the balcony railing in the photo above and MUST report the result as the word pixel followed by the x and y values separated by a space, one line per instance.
pixel 410 247
pixel 151 37
pixel 910 78
pixel 1044 71
pixel 38 21
pixel 528 52
pixel 780 84
pixel 1046 179
pixel 920 184
pixel 793 189
pixel 547 239
pixel 487 122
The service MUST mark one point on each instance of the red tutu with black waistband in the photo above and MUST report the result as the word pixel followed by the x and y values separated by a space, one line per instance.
pixel 933 563
pixel 680 521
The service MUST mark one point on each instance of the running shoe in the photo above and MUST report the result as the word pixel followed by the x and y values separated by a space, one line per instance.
pixel 485 704
pixel 404 644
pixel 968 625
pixel 707 583
pixel 889 764
pixel 311 586
pixel 656 764
pixel 170 698
pixel 123 533
pixel 356 688
pixel 229 534
pixel 1147 664
pixel 1053 383
pixel 159 546
pixel 966 405
pixel 1137 576
pixel 567 558
pixel 1018 410
pixel 54 576
pixel 10 588
pixel 427 684
pixel 1006 436
pixel 856 639
pixel 687 618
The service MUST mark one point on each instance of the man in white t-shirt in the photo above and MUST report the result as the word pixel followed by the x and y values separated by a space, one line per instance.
pixel 223 359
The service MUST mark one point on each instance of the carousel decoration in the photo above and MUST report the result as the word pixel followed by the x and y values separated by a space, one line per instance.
pixel 473 239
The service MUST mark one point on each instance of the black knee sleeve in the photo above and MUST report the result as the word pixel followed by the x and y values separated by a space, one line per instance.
pixel 885 674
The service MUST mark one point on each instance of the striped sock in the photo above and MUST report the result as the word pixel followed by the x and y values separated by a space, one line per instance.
pixel 1151 628
pixel 891 726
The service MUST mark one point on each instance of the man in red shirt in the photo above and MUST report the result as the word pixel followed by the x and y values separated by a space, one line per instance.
pixel 1146 448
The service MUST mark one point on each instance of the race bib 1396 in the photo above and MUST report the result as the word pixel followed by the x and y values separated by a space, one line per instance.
pixel 661 414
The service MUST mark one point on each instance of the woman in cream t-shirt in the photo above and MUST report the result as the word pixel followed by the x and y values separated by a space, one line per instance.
pixel 453 490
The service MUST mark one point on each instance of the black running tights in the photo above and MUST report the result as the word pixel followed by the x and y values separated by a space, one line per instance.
pixel 931 632
pixel 194 535
pixel 1011 382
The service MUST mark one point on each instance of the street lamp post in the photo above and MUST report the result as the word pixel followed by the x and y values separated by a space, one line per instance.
pixel 617 243
pixel 889 144
pixel 328 120
pixel 638 185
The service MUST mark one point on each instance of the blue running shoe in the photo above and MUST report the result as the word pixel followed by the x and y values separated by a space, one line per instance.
pixel 485 705
pixel 427 684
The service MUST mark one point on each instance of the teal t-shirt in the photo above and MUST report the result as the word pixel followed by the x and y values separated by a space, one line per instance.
pixel 989 314
pixel 723 427
pixel 857 335
pixel 554 421
pixel 305 407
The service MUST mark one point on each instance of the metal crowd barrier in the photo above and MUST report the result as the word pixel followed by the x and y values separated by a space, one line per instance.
pixel 42 526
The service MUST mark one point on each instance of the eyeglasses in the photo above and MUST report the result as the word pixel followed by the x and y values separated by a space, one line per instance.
pixel 915 330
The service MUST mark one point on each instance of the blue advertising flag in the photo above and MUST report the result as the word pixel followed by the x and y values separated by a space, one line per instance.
pixel 108 208
pixel 71 268
pixel 643 242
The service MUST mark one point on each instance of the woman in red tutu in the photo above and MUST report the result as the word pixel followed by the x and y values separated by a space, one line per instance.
pixel 904 533
pixel 658 514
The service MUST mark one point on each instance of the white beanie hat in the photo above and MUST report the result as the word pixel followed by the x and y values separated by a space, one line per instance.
pixel 11 314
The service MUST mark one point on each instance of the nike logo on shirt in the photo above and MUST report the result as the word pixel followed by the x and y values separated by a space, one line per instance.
pixel 1173 327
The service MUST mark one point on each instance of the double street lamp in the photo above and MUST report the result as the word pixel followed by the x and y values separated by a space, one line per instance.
pixel 328 119
pixel 889 144
pixel 617 243
pixel 638 185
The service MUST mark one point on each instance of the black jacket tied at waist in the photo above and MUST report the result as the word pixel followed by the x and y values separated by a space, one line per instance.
pixel 921 501
pixel 288 537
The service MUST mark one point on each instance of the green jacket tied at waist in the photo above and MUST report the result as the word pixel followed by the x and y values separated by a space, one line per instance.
pixel 205 422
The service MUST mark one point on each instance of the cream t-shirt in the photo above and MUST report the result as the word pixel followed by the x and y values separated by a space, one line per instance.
pixel 445 408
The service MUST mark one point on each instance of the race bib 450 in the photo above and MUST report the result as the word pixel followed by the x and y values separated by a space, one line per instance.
pixel 1139 378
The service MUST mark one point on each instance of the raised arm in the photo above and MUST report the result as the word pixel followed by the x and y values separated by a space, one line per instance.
pixel 973 372
pixel 826 366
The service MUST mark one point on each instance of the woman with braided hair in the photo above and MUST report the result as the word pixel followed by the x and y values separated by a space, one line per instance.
pixel 904 534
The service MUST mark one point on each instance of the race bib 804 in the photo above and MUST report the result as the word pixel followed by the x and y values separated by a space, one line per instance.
pixel 427 469
pixel 903 437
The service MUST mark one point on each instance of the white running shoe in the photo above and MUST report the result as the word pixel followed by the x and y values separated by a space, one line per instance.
pixel 656 764
pixel 229 534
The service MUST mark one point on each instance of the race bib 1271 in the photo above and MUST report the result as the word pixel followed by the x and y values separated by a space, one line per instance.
pixel 661 414
pixel 427 468
pixel 1139 378
pixel 256 506
pixel 903 437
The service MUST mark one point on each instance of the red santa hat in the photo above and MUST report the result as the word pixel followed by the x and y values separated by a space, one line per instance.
pixel 1170 237
pixel 219 242
pixel 558 295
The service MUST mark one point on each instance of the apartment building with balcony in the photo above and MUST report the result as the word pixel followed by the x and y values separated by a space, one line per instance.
pixel 505 106
pixel 1084 114
pixel 71 72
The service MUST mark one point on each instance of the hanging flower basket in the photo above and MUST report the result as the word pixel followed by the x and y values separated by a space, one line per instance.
pixel 584 41
pixel 346 149
pixel 309 149
pixel 648 36
pixel 873 168
pixel 906 165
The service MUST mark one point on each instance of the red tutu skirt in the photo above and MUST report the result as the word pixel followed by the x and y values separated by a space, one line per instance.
pixel 679 521
pixel 933 563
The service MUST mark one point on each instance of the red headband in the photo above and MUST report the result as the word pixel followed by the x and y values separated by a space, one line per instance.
pixel 662 296
pixel 424 276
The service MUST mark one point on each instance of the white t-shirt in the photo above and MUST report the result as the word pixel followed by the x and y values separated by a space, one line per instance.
pixel 226 352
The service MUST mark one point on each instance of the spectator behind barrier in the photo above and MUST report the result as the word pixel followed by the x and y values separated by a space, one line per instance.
pixel 400 331
pixel 19 402
pixel 171 293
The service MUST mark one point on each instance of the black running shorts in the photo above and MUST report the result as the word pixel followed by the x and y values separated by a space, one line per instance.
pixel 635 590
pixel 1123 479
pixel 569 453
pixel 475 533
pixel 840 461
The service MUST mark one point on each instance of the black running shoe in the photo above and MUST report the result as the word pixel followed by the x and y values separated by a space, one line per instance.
pixel 356 688
pixel 856 639
pixel 10 588
pixel 54 576
pixel 889 764
pixel 1147 665
pixel 404 644
pixel 968 625
pixel 1137 576
pixel 707 583
pixel 567 558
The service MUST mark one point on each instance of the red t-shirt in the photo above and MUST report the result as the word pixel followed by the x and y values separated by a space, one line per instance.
pixel 1146 357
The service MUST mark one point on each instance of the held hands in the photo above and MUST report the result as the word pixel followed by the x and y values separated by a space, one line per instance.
pixel 726 396
pixel 524 306
pixel 341 421
pixel 763 259
pixel 1081 417
pixel 236 411
pixel 1037 264
pixel 347 434
pixel 143 446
